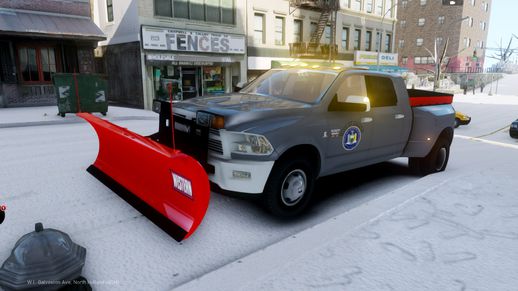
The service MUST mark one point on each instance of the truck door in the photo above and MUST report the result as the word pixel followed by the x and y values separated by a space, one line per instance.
pixel 390 118
pixel 348 133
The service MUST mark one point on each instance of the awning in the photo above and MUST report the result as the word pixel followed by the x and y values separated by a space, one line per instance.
pixel 53 25
pixel 386 69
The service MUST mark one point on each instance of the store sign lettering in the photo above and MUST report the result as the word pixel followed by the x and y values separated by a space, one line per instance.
pixel 371 58
pixel 192 41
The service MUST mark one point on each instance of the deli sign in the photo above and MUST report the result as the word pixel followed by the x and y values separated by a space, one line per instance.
pixel 371 58
pixel 165 39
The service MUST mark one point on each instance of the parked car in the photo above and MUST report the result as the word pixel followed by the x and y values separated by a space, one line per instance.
pixel 293 125
pixel 461 119
pixel 513 131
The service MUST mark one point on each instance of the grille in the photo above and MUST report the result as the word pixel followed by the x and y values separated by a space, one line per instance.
pixel 215 146
pixel 214 131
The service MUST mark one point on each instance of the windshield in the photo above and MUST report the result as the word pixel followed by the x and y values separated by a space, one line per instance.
pixel 294 84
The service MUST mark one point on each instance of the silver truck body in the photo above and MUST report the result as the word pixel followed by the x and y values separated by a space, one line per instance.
pixel 338 140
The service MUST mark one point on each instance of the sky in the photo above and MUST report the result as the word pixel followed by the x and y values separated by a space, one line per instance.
pixel 502 24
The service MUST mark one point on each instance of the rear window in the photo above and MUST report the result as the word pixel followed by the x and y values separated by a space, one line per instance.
pixel 381 91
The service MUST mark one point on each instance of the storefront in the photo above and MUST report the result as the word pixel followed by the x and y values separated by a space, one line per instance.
pixel 33 48
pixel 384 62
pixel 188 64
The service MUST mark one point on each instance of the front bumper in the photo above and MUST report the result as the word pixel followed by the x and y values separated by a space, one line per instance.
pixel 240 176
pixel 465 121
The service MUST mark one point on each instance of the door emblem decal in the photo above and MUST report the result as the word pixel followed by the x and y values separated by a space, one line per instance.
pixel 352 137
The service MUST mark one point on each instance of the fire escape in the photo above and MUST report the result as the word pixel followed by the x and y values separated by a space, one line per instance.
pixel 314 48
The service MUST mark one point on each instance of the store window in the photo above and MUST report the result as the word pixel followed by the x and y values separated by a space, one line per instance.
pixel 37 64
pixel 213 80
pixel 109 10
pixel 345 38
pixel 259 28
pixel 279 30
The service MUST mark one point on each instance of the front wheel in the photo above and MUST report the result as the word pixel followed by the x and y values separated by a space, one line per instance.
pixel 289 188
pixel 435 161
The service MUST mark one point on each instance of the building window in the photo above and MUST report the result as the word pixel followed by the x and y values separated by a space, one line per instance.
pixel 357 38
pixel 483 25
pixel 164 8
pixel 423 2
pixel 279 30
pixel 37 64
pixel 404 60
pixel 297 30
pixel 481 44
pixel 388 43
pixel 313 28
pixel 467 42
pixel 417 60
pixel 404 3
pixel 357 5
pixel 403 23
pixel 368 6
pixel 388 5
pixel 420 22
pixel 259 28
pixel 327 34
pixel 470 22
pixel 472 2
pixel 220 11
pixel 486 7
pixel 368 40
pixel 439 40
pixel 378 41
pixel 109 10
pixel 419 42
pixel 401 43
pixel 440 20
pixel 346 3
pixel 345 38
pixel 379 7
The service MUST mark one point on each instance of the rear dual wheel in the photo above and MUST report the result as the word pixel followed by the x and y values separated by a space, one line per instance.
pixel 289 188
pixel 435 161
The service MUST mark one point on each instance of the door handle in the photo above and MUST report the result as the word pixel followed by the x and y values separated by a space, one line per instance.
pixel 399 116
pixel 366 119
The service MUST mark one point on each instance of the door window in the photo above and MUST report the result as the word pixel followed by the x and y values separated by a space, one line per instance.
pixel 380 91
pixel 353 85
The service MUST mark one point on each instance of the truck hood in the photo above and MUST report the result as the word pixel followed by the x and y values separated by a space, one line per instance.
pixel 238 103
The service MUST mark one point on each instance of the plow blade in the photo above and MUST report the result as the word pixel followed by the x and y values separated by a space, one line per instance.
pixel 165 185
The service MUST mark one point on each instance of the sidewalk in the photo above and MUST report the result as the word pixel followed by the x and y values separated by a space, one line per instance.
pixel 47 115
pixel 456 230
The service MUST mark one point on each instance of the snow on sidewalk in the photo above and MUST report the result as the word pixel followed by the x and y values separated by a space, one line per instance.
pixel 23 116
pixel 455 232
pixel 484 98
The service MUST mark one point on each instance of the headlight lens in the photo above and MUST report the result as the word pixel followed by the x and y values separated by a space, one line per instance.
pixel 251 144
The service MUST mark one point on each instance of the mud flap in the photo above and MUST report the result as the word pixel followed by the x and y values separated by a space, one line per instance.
pixel 167 186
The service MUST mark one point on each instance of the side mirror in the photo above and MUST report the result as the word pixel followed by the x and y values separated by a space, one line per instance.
pixel 352 103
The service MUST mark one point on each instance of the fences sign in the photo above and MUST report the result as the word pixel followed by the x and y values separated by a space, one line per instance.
pixel 165 39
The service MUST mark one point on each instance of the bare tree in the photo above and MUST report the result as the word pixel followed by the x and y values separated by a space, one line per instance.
pixel 440 60
pixel 503 54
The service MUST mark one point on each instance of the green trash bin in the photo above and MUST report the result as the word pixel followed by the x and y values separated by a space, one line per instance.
pixel 92 93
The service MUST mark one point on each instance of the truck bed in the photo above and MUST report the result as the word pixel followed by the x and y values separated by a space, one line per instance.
pixel 425 98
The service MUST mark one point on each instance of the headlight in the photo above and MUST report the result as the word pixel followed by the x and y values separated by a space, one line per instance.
pixel 206 119
pixel 251 144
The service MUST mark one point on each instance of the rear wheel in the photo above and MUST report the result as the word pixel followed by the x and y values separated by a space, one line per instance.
pixel 435 161
pixel 289 187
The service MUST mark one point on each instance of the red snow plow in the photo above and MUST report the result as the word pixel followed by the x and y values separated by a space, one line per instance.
pixel 169 187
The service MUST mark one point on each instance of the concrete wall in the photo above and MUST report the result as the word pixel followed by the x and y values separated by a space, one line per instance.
pixel 123 68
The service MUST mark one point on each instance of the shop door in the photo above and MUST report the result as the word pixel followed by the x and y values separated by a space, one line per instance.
pixel 190 82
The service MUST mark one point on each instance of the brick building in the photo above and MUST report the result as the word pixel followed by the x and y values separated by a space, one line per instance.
pixel 39 38
pixel 422 23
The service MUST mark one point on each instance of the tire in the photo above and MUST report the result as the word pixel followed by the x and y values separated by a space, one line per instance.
pixel 295 173
pixel 457 123
pixel 62 114
pixel 436 161
pixel 103 113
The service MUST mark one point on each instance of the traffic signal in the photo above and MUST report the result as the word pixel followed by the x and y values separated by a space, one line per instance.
pixel 453 2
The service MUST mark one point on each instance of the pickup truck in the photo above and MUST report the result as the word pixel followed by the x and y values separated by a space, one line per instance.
pixel 293 125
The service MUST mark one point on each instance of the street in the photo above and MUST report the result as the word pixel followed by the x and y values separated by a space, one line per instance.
pixel 43 178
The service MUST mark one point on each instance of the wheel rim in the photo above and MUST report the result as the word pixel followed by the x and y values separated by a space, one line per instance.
pixel 441 159
pixel 293 187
